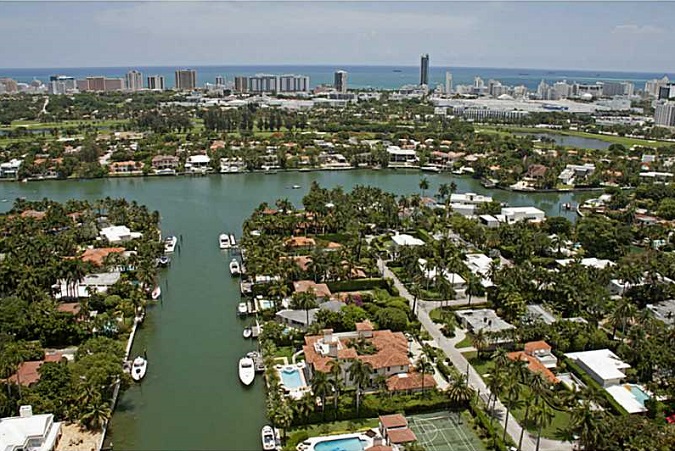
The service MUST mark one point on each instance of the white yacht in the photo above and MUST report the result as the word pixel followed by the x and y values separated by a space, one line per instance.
pixel 139 368
pixel 235 269
pixel 242 308
pixel 233 243
pixel 156 293
pixel 224 241
pixel 170 244
pixel 269 441
pixel 246 370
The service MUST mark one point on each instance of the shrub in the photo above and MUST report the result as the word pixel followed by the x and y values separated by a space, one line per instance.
pixel 358 285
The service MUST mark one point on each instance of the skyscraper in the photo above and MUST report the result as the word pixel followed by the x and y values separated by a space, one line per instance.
pixel 664 114
pixel 293 83
pixel 340 81
pixel 241 84
pixel 448 82
pixel 134 80
pixel 156 82
pixel 186 79
pixel 424 70
pixel 220 80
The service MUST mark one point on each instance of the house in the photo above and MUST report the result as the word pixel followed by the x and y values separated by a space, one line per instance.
pixel 300 242
pixel 458 283
pixel 97 256
pixel 574 171
pixel 539 359
pixel 395 431
pixel 320 289
pixel 482 319
pixel 29 432
pixel 480 265
pixel 536 312
pixel 489 221
pixel 126 168
pixel 116 234
pixel 387 355
pixel 402 239
pixel 597 263
pixel 165 162
pixel 469 198
pixel 98 283
pixel 27 373
pixel 10 169
pixel 198 164
pixel 401 157
pixel 298 318
pixel 602 365
pixel 536 171
pixel 511 215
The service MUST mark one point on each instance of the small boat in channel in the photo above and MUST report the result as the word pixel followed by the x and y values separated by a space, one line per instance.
pixel 246 370
pixel 170 244
pixel 242 309
pixel 235 268
pixel 163 261
pixel 248 332
pixel 224 241
pixel 138 368
pixel 269 440
pixel 156 293
pixel 296 187
pixel 233 242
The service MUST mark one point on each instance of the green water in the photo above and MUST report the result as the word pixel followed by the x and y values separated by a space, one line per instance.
pixel 191 397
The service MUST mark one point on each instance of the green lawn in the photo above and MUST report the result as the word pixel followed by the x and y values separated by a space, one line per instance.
pixel 298 434
pixel 628 142
pixel 65 124
pixel 464 343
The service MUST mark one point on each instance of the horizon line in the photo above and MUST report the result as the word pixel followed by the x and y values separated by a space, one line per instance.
pixel 337 67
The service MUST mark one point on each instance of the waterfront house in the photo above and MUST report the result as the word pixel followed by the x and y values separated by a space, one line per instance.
pixel 97 256
pixel 28 372
pixel 10 169
pixel 511 215
pixel 126 168
pixel 572 172
pixel 602 365
pixel 469 198
pixel 29 432
pixel 117 234
pixel 96 283
pixel 321 290
pixel 401 157
pixel 298 318
pixel 165 163
pixel 387 355
pixel 536 171
pixel 198 164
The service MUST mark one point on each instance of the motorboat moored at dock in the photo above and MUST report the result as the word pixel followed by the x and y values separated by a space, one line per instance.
pixel 246 370
pixel 170 244
pixel 138 368
pixel 224 241
pixel 235 268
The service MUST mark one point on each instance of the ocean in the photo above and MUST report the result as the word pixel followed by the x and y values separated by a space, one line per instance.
pixel 382 77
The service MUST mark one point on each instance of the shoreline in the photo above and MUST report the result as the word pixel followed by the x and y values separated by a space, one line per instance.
pixel 304 170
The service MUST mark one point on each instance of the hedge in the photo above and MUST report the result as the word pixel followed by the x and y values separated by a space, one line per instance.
pixel 493 433
pixel 424 235
pixel 358 285
pixel 444 370
pixel 588 380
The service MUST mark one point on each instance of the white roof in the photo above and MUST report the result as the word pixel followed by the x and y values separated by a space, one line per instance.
pixel 403 239
pixel 452 277
pixel 469 198
pixel 198 159
pixel 603 362
pixel 625 398
pixel 16 431
pixel 478 263
pixel 506 211
pixel 588 262
pixel 396 150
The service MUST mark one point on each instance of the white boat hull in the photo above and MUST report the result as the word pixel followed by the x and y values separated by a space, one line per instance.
pixel 170 244
pixel 156 293
pixel 235 269
pixel 139 368
pixel 224 241
pixel 246 370
pixel 268 438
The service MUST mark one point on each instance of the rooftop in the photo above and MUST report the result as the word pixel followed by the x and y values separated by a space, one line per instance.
pixel 98 255
pixel 403 239
pixel 410 381
pixel 602 362
pixel 484 319
pixel 395 420
pixel 320 289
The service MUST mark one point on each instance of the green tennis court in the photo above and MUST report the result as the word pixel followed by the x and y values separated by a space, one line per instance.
pixel 440 431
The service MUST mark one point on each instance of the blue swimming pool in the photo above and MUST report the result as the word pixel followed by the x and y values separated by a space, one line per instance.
pixel 639 394
pixel 291 378
pixel 340 444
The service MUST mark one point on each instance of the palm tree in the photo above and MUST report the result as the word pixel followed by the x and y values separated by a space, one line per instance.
pixel 585 424
pixel 624 312
pixel 304 407
pixel 305 300
pixel 424 367
pixel 95 414
pixel 424 185
pixel 459 393
pixel 335 371
pixel 512 393
pixel 281 415
pixel 474 287
pixel 321 387
pixel 542 415
pixel 539 387
pixel 479 340
pixel 360 373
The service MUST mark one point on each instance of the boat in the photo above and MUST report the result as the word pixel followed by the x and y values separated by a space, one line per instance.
pixel 235 269
pixel 165 171
pixel 296 187
pixel 224 241
pixel 233 243
pixel 248 332
pixel 269 440
pixel 170 244
pixel 397 70
pixel 156 293
pixel 163 261
pixel 246 370
pixel 430 168
pixel 139 368
pixel 242 308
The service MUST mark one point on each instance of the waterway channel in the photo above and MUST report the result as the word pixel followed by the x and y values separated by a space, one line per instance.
pixel 191 398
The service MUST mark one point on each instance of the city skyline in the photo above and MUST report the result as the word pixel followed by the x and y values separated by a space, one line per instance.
pixel 588 37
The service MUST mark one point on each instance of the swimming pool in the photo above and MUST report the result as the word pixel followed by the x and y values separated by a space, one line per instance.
pixel 340 444
pixel 291 378
pixel 639 394
pixel 265 304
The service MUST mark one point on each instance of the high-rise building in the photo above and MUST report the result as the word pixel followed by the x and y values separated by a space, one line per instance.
pixel 100 84
pixel 220 80
pixel 340 81
pixel 95 83
pixel 293 83
pixel 424 70
pixel 241 84
pixel 263 83
pixel 186 79
pixel 133 80
pixel 664 114
pixel 652 86
pixel 614 88
pixel 448 82
pixel 562 89
pixel 667 91
pixel 113 84
pixel 156 82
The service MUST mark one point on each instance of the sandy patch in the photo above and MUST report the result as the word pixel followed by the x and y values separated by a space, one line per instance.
pixel 74 438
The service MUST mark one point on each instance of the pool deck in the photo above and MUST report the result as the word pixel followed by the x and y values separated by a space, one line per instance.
pixel 310 443
pixel 295 392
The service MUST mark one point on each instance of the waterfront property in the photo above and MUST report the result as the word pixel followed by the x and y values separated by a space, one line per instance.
pixel 293 380
pixel 91 283
pixel 602 365
pixel 29 432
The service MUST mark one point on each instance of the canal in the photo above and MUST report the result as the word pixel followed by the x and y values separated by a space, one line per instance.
pixel 192 398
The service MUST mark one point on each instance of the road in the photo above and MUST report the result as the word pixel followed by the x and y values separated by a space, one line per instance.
pixel 462 364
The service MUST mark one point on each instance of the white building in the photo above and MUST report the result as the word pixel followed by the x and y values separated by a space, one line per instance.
pixel 133 80
pixel 602 365
pixel 198 164
pixel 448 83
pixel 511 215
pixel 664 114
pixel 588 262
pixel 574 171
pixel 469 198
pixel 458 283
pixel 399 156
pixel 293 83
pixel 480 265
pixel 29 432
pixel 263 83
pixel 402 239
pixel 10 169
pixel 97 283
pixel 117 234
pixel 482 319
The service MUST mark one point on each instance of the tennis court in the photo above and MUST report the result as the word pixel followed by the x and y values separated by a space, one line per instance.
pixel 440 431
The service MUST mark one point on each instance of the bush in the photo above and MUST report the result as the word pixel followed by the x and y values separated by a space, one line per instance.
pixel 295 439
pixel 491 433
pixel 358 285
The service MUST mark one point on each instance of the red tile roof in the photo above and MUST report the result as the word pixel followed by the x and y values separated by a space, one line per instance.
pixel 397 436
pixel 320 289
pixel 380 448
pixel 534 365
pixel 33 214
pixel 395 420
pixel 300 241
pixel 27 373
pixel 410 381
pixel 364 325
pixel 98 255
pixel 69 307
pixel 532 346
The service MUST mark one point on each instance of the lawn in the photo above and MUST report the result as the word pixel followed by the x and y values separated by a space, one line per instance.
pixel 465 343
pixel 302 433
pixel 65 124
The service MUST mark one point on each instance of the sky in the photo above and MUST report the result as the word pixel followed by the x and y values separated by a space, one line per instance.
pixel 622 36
